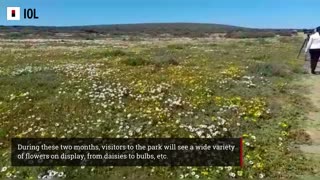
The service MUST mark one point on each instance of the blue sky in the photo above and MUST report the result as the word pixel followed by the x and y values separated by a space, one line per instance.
pixel 247 13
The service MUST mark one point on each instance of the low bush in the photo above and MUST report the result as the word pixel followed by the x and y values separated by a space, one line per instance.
pixel 135 61
pixel 270 69
pixel 285 39
pixel 285 33
pixel 15 35
pixel 260 57
pixel 176 46
pixel 117 52
pixel 247 34
pixel 165 60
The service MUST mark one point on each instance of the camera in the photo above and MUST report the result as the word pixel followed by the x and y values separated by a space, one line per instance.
pixel 308 31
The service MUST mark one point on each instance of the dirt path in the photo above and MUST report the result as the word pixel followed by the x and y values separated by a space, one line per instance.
pixel 312 125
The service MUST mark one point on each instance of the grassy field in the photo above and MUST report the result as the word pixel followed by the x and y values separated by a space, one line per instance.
pixel 193 88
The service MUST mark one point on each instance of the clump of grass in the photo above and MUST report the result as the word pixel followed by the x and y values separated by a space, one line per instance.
pixel 164 57
pixel 135 61
pixel 115 53
pixel 213 45
pixel 46 81
pixel 262 41
pixel 2 133
pixel 134 38
pixel 300 136
pixel 15 35
pixel 297 68
pixel 245 35
pixel 248 43
pixel 108 53
pixel 270 69
pixel 164 60
pixel 89 38
pixel 260 57
pixel 176 46
pixel 285 39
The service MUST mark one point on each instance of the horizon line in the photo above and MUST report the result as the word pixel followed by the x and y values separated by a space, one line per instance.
pixel 146 23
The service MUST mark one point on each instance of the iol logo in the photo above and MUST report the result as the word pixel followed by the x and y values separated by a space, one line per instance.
pixel 13 14
pixel 30 14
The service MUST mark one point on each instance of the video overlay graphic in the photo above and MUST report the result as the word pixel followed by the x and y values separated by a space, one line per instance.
pixel 14 13
pixel 127 152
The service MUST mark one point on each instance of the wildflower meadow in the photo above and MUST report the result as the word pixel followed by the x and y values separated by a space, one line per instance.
pixel 197 88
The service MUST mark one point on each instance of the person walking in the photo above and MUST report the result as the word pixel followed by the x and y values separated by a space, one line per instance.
pixel 313 47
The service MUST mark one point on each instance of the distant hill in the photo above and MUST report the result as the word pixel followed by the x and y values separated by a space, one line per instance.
pixel 148 29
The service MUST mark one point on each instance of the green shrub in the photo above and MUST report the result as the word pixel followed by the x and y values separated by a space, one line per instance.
pixel 107 53
pixel 116 53
pixel 89 38
pixel 2 133
pixel 176 46
pixel 165 60
pixel 260 57
pixel 285 33
pixel 248 43
pixel 15 35
pixel 248 34
pixel 134 38
pixel 262 41
pixel 270 69
pixel 213 45
pixel 161 57
pixel 285 39
pixel 136 61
